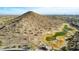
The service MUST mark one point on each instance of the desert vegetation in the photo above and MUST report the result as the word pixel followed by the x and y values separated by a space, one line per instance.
pixel 5 19
pixel 32 31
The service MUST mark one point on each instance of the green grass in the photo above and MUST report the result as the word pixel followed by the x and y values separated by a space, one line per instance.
pixel 62 33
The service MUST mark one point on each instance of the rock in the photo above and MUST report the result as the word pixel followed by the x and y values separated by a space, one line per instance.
pixel 73 44
pixel 43 48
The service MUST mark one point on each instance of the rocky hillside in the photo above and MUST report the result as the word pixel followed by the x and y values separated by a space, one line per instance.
pixel 32 31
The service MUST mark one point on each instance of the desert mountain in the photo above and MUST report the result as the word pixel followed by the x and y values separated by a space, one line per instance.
pixel 28 29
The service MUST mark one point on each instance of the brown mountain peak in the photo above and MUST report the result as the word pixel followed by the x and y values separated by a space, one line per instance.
pixel 30 13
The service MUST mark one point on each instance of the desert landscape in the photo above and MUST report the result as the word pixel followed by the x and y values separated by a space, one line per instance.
pixel 36 32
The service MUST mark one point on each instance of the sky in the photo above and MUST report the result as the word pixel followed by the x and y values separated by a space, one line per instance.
pixel 40 10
